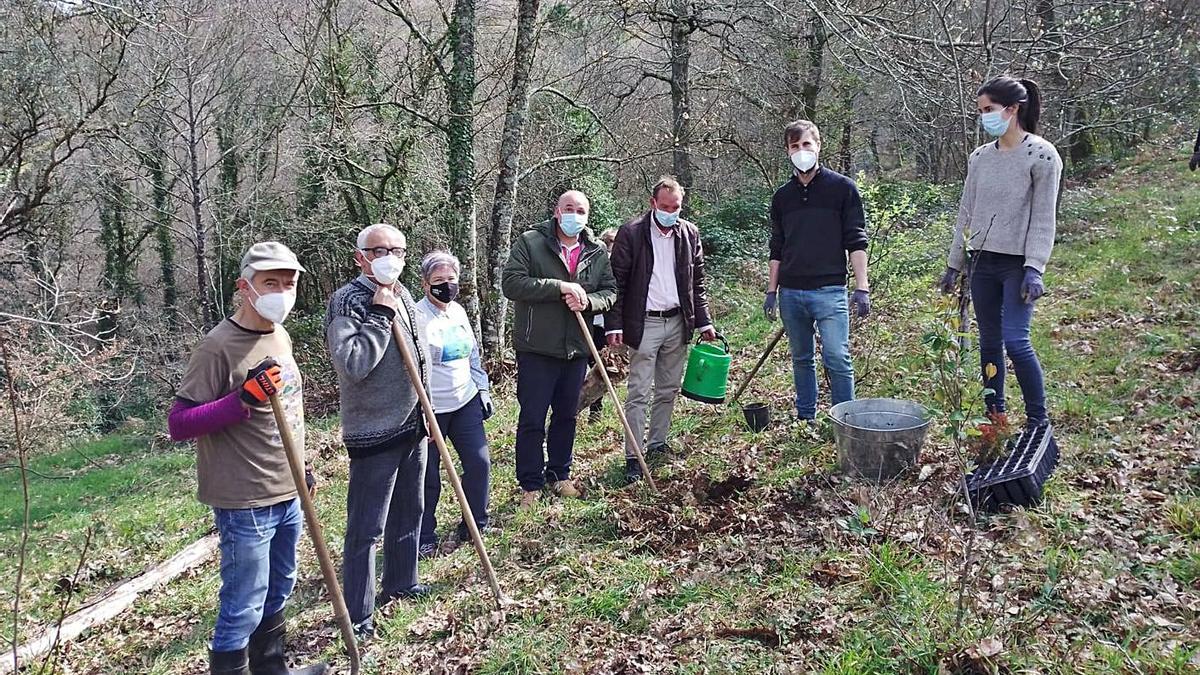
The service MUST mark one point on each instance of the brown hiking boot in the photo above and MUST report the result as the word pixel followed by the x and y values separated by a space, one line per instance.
pixel 528 499
pixel 566 488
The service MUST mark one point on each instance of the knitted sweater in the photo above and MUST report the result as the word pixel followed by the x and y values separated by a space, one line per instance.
pixel 1009 202
pixel 378 401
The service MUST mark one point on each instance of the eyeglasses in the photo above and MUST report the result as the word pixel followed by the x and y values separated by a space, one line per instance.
pixel 380 251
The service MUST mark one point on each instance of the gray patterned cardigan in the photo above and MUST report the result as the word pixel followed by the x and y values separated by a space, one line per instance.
pixel 378 401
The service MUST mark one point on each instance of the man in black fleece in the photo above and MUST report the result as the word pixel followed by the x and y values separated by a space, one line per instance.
pixel 816 220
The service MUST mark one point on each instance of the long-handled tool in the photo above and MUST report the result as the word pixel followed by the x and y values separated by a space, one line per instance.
pixel 633 438
pixel 761 360
pixel 340 613
pixel 414 375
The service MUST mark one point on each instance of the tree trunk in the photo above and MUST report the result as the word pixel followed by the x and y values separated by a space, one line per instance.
pixel 161 199
pixel 1074 121
pixel 495 306
pixel 114 239
pixel 460 137
pixel 681 117
pixel 1080 147
pixel 844 153
pixel 816 65
pixel 192 138
pixel 230 217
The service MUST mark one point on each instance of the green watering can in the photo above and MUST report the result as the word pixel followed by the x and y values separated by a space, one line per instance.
pixel 707 372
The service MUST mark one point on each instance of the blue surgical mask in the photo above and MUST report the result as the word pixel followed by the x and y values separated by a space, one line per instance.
pixel 666 218
pixel 572 223
pixel 994 123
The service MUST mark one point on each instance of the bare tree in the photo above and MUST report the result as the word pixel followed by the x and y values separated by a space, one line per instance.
pixel 495 306
pixel 60 70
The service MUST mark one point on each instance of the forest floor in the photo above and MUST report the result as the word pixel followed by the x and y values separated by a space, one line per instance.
pixel 757 556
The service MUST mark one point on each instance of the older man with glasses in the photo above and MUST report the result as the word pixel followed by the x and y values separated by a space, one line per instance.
pixel 382 426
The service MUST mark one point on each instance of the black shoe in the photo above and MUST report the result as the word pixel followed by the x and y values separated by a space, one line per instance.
pixel 364 631
pixel 657 454
pixel 228 663
pixel 415 591
pixel 1032 424
pixel 633 471
pixel 411 593
pixel 266 650
pixel 463 536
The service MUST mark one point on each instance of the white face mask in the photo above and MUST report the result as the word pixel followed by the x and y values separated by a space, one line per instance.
pixel 387 269
pixel 804 160
pixel 274 307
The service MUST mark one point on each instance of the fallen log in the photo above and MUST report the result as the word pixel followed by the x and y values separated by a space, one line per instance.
pixel 112 602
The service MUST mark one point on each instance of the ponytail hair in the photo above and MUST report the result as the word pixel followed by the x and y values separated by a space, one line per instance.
pixel 1025 94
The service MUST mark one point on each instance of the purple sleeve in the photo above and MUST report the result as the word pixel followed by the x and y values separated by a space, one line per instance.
pixel 188 420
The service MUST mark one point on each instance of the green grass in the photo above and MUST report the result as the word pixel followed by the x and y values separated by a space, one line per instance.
pixel 134 498
pixel 835 576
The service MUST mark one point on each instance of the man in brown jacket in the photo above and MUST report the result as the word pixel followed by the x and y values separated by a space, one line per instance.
pixel 659 266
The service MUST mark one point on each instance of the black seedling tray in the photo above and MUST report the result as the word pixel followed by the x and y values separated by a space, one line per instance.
pixel 1017 478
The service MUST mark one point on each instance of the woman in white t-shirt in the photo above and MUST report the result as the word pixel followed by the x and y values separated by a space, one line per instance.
pixel 458 387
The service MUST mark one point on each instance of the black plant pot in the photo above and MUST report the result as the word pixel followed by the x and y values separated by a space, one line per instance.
pixel 758 416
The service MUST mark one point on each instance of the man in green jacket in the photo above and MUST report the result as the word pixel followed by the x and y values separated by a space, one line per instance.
pixel 554 270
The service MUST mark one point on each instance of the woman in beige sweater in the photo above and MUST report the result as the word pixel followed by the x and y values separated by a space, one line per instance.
pixel 1004 235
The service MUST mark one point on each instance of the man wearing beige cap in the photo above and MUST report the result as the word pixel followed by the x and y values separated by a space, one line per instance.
pixel 223 403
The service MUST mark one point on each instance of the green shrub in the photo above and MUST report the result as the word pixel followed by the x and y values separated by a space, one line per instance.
pixel 736 228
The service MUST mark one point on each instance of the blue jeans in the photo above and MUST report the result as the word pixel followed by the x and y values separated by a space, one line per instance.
pixel 258 568
pixel 805 313
pixel 545 383
pixel 1003 319
pixel 463 428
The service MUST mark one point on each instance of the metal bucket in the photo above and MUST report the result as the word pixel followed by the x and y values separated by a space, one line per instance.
pixel 878 438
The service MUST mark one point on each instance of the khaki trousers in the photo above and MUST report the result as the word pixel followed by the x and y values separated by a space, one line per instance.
pixel 655 366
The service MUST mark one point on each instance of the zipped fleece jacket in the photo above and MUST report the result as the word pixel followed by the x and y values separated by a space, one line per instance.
pixel 633 265
pixel 542 324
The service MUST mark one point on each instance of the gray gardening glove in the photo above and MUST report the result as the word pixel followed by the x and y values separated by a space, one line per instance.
pixel 769 306
pixel 1031 287
pixel 949 279
pixel 860 301
pixel 485 399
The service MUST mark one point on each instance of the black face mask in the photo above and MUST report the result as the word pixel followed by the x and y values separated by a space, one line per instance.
pixel 445 291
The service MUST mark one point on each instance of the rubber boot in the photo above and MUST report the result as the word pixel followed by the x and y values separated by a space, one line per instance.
pixel 228 663
pixel 266 650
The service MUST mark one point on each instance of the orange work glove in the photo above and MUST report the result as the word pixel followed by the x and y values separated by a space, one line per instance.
pixel 262 382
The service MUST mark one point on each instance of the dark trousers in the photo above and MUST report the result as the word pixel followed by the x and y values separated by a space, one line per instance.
pixel 600 340
pixel 1004 319
pixel 464 429
pixel 545 383
pixel 385 497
